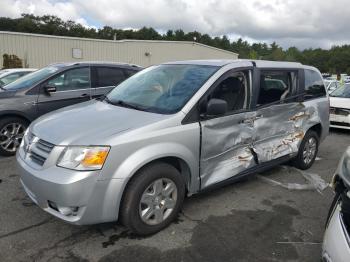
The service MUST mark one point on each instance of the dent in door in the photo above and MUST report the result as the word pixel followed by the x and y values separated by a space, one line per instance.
pixel 281 129
pixel 226 144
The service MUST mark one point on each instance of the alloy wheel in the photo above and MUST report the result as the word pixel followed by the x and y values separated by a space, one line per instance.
pixel 11 136
pixel 309 151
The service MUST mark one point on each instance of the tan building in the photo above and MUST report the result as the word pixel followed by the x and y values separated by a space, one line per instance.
pixel 40 50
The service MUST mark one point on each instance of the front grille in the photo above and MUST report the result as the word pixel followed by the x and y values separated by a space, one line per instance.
pixel 36 149
pixel 340 111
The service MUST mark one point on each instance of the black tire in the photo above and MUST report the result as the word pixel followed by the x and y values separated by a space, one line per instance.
pixel 298 161
pixel 4 122
pixel 130 208
pixel 332 207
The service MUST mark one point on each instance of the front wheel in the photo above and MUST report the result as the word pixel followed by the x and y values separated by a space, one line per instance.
pixel 153 199
pixel 307 151
pixel 12 130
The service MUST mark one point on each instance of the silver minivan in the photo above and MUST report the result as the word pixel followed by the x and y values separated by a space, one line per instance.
pixel 169 131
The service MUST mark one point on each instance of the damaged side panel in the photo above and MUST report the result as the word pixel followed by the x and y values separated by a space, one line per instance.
pixel 226 144
pixel 232 144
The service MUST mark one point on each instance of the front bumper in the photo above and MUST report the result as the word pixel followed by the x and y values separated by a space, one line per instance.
pixel 340 121
pixel 336 240
pixel 58 190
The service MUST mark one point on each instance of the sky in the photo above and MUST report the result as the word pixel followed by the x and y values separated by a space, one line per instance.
pixel 300 23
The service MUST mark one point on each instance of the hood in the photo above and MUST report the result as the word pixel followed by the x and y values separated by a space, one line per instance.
pixel 90 123
pixel 339 102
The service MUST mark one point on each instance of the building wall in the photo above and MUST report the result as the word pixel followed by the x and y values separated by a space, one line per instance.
pixel 40 50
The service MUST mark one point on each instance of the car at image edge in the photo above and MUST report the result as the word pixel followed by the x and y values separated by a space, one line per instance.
pixel 340 107
pixel 336 243
pixel 50 88
pixel 8 76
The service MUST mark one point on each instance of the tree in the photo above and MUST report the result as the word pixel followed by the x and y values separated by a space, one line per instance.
pixel 335 60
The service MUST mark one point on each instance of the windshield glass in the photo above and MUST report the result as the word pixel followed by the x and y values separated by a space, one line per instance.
pixel 31 79
pixel 161 89
pixel 343 91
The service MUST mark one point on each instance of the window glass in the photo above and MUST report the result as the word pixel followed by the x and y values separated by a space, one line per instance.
pixel 343 91
pixel 32 79
pixel 107 76
pixel 233 89
pixel 162 89
pixel 71 80
pixel 276 86
pixel 9 78
pixel 129 72
pixel 314 86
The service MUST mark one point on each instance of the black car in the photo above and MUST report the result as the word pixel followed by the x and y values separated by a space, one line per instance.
pixel 51 88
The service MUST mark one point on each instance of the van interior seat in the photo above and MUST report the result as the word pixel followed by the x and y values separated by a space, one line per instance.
pixel 232 91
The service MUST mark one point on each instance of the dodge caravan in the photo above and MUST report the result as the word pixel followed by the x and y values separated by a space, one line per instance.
pixel 172 130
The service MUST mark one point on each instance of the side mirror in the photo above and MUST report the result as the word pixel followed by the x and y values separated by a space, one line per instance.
pixel 216 107
pixel 50 89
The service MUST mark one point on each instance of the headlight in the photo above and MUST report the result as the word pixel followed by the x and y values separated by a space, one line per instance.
pixel 83 158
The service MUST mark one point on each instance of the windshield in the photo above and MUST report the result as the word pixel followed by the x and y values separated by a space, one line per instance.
pixel 343 91
pixel 161 89
pixel 32 78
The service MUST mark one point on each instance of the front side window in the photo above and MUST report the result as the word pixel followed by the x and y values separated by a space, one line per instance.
pixel 107 76
pixel 343 92
pixel 161 89
pixel 314 86
pixel 276 87
pixel 73 79
pixel 233 89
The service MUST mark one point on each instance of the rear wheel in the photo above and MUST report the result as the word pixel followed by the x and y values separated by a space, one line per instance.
pixel 11 134
pixel 153 199
pixel 307 151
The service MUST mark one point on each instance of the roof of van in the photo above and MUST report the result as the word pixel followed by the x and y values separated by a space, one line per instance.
pixel 100 63
pixel 243 62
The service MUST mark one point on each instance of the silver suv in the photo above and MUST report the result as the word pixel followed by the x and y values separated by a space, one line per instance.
pixel 172 130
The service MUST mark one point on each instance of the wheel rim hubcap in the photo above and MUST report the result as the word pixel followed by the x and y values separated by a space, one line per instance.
pixel 158 201
pixel 309 151
pixel 11 136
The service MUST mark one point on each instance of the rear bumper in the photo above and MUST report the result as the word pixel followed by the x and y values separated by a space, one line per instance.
pixel 336 246
pixel 73 196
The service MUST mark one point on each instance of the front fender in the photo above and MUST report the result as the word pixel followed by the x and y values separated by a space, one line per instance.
pixel 147 154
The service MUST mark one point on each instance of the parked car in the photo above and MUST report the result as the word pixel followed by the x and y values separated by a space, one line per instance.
pixel 331 85
pixel 170 130
pixel 340 107
pixel 7 76
pixel 336 244
pixel 51 88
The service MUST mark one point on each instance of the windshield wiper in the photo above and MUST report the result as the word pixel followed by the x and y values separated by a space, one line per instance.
pixel 123 104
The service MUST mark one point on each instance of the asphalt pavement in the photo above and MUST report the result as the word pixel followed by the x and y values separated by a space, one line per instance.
pixel 252 220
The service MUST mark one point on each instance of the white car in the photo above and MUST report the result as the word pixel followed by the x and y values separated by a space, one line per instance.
pixel 9 75
pixel 340 107
pixel 336 243
pixel 331 85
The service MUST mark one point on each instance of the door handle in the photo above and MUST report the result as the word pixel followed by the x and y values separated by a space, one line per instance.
pixel 84 95
pixel 247 121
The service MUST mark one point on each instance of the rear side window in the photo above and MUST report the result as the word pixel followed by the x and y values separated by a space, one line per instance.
pixel 108 76
pixel 277 87
pixel 314 86
pixel 129 72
